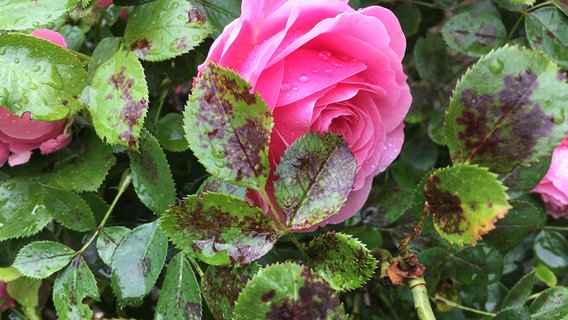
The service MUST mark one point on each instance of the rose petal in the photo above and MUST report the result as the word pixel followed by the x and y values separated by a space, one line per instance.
pixel 50 35
pixel 52 145
pixel 19 157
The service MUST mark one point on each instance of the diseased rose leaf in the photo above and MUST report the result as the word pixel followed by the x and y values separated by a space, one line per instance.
pixel 41 259
pixel 151 175
pixel 170 134
pixel 550 304
pixel 71 288
pixel 477 266
pixel 474 34
pixel 69 209
pixel 317 175
pixel 524 178
pixel 219 13
pixel 39 77
pixel 550 248
pixel 104 50
pixel 520 292
pixel 30 15
pixel 221 287
pixel 228 128
pixel 343 261
pixel 118 99
pixel 219 229
pixel 465 201
pixel 213 184
pixel 180 297
pixel 431 58
pixel 562 5
pixel 298 295
pixel 108 240
pixel 547 31
pixel 161 30
pixel 507 110
pixel 514 313
pixel 22 211
pixel 137 263
pixel 525 217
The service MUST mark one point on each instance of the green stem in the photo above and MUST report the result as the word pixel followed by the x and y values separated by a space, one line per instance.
pixel 459 306
pixel 195 266
pixel 124 183
pixel 402 248
pixel 160 105
pixel 553 228
pixel 421 300
pixel 517 23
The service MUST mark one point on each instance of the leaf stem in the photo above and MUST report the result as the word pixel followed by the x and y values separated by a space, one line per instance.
pixel 515 26
pixel 459 306
pixel 554 228
pixel 163 96
pixel 196 266
pixel 124 183
pixel 402 248
pixel 421 300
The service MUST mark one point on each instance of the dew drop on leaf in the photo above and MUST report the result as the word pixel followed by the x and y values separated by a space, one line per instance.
pixel 496 66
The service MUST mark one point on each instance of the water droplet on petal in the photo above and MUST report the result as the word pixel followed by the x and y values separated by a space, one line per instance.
pixel 328 71
pixel 295 89
pixel 285 87
pixel 314 70
pixel 324 55
pixel 303 78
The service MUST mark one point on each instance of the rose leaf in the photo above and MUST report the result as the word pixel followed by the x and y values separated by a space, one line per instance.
pixel 547 31
pixel 474 34
pixel 26 15
pixel 41 259
pixel 69 209
pixel 550 304
pixel 108 240
pixel 477 266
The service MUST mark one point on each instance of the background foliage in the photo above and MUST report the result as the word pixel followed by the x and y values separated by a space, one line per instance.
pixel 128 222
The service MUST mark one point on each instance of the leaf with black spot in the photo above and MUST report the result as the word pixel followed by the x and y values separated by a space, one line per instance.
pixel 474 34
pixel 39 76
pixel 507 110
pixel 562 5
pixel 137 263
pixel 180 297
pixel 161 30
pixel 213 184
pixel 550 304
pixel 316 176
pixel 69 209
pixel 547 31
pixel 343 261
pixel 465 201
pixel 228 128
pixel 300 294
pixel 108 240
pixel 118 99
pixel 71 288
pixel 520 292
pixel 221 287
pixel 220 229
pixel 219 12
pixel 40 259
pixel 151 175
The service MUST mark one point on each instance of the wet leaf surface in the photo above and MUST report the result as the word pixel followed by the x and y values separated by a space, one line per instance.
pixel 41 259
pixel 474 34
pixel 547 30
pixel 552 304
pixel 108 240
pixel 27 15
pixel 69 209
pixel 551 249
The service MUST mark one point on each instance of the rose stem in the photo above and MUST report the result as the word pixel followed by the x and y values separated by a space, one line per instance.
pixel 402 248
pixel 421 300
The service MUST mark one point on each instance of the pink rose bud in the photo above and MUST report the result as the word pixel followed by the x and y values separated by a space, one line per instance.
pixel 322 66
pixel 103 3
pixel 553 188
pixel 20 135
pixel 5 299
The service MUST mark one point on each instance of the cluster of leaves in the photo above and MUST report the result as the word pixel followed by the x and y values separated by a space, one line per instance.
pixel 74 230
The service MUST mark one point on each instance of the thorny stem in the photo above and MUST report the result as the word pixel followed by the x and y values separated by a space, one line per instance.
pixel 402 248
pixel 421 300
pixel 124 183
pixel 459 306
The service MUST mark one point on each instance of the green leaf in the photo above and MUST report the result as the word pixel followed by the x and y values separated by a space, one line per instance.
pixel 71 288
pixel 507 110
pixel 431 58
pixel 544 274
pixel 26 292
pixel 551 249
pixel 108 240
pixel 520 292
pixel 515 313
pixel 298 295
pixel 213 184
pixel 8 274
pixel 69 209
pixel 368 235
pixel 547 30
pixel 170 134
pixel 465 201
pixel 523 219
pixel 219 13
pixel 474 34
pixel 550 304
pixel 220 229
pixel 151 175
pixel 409 16
pixel 41 259
pixel 161 30
pixel 180 297
pixel 524 178
pixel 228 128
pixel 137 263
pixel 23 213
pixel 480 265
pixel 40 77
pixel 316 177
pixel 343 261
pixel 105 50
pixel 562 5
pixel 27 15
pixel 118 99
pixel 221 287
pixel 87 169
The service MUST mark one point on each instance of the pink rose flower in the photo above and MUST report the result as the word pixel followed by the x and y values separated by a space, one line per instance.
pixel 20 135
pixel 553 188
pixel 5 299
pixel 103 3
pixel 322 66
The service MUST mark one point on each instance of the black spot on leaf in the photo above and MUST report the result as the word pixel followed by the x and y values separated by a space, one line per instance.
pixel 445 207
pixel 195 16
pixel 141 47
